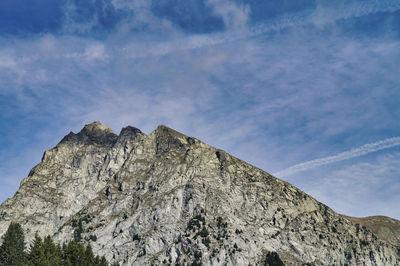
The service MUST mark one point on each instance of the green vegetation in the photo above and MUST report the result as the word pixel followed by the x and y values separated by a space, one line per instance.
pixel 222 230
pixel 12 249
pixel 78 232
pixel 198 225
pixel 195 222
pixel 78 224
pixel 45 252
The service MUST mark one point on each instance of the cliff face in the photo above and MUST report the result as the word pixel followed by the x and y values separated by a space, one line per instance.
pixel 167 198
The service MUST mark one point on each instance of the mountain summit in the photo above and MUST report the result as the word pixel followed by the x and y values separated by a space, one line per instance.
pixel 166 198
pixel 93 133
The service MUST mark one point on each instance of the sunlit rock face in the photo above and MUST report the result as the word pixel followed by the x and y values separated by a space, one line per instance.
pixel 168 198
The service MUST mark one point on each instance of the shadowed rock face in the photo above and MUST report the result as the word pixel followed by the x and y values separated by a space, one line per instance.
pixel 94 133
pixel 169 198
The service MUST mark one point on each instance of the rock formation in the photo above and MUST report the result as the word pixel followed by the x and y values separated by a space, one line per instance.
pixel 168 198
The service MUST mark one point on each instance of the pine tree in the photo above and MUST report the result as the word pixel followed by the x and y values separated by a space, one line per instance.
pixel 68 263
pixel 52 252
pixel 36 253
pixel 12 249
pixel 103 261
pixel 97 260
pixel 89 256
pixel 59 253
pixel 74 253
pixel 45 252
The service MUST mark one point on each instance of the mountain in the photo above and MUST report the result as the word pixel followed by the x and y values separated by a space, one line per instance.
pixel 168 198
pixel 384 227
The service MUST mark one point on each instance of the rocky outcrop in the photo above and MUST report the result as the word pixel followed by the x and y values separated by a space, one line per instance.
pixel 168 198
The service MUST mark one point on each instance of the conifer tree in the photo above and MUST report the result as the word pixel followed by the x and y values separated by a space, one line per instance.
pixel 74 253
pixel 97 260
pixel 52 252
pixel 89 256
pixel 68 262
pixel 12 249
pixel 45 252
pixel 36 253
pixel 103 261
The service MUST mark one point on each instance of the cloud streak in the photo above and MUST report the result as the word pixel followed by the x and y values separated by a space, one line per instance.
pixel 321 16
pixel 346 188
pixel 324 15
pixel 293 84
pixel 353 153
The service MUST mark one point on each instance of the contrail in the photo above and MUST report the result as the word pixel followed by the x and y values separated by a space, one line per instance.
pixel 320 16
pixel 356 152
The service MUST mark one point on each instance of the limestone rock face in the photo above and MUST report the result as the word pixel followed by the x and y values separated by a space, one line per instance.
pixel 168 198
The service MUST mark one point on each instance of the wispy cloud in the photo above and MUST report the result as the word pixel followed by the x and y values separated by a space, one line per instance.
pixel 328 12
pixel 296 91
pixel 361 188
pixel 353 153
pixel 321 16
pixel 235 16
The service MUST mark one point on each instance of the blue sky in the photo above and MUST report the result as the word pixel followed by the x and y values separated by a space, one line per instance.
pixel 306 90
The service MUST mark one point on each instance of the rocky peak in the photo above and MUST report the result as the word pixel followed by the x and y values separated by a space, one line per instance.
pixel 130 131
pixel 166 198
pixel 168 139
pixel 92 133
pixel 96 129
pixel 98 133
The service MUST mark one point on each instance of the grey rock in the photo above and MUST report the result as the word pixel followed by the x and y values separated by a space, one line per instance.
pixel 169 198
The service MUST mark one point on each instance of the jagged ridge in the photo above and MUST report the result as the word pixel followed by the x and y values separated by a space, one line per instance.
pixel 169 198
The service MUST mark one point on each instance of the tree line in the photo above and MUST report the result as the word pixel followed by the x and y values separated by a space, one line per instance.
pixel 44 252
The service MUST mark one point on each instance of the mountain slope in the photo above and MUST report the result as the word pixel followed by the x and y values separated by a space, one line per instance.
pixel 169 198
pixel 384 227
